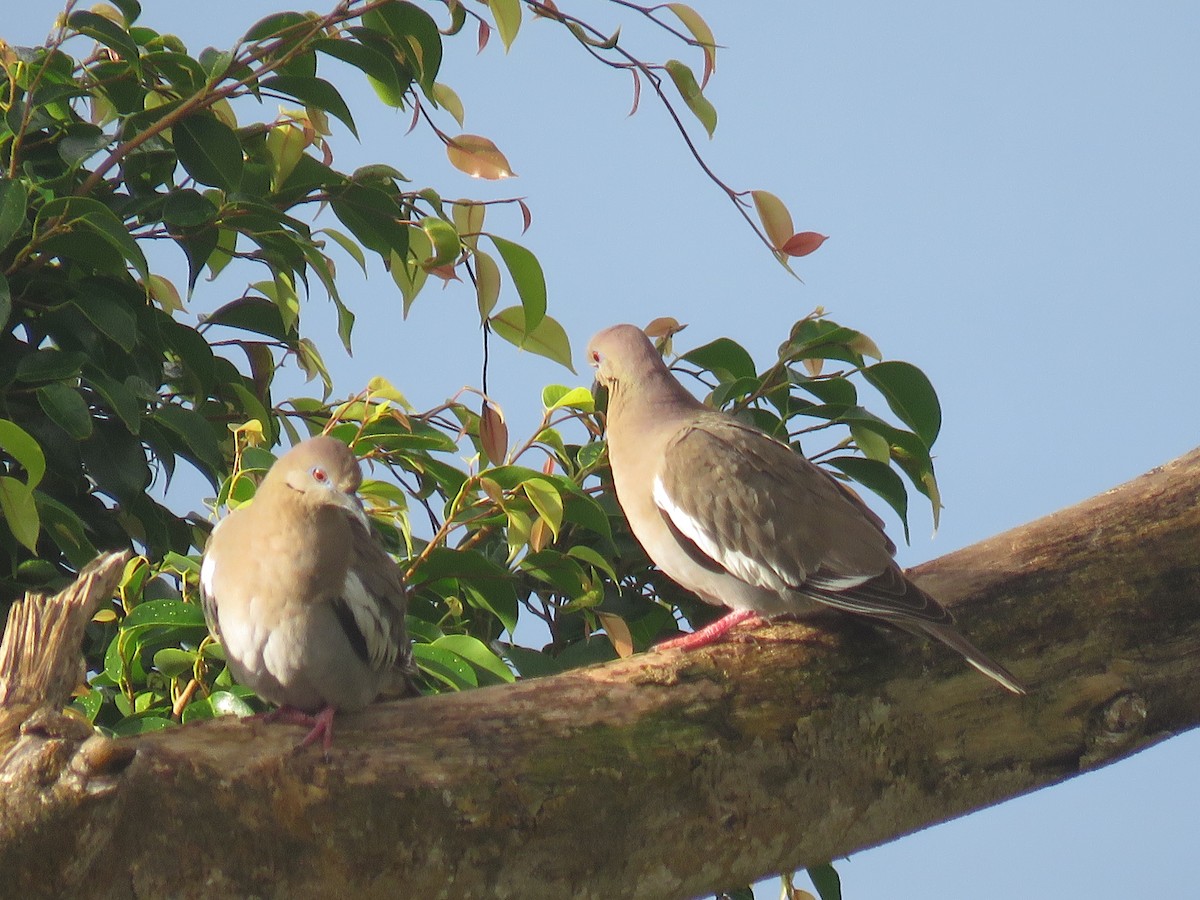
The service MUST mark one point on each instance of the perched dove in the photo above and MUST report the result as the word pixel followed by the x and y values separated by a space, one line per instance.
pixel 739 518
pixel 308 606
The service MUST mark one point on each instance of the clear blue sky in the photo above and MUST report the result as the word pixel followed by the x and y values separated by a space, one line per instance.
pixel 1013 197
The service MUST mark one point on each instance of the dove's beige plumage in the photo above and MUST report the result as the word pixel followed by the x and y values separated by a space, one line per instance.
pixel 308 606
pixel 740 519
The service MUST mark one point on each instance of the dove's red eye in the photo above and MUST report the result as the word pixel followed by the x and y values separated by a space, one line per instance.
pixel 320 475
pixel 595 355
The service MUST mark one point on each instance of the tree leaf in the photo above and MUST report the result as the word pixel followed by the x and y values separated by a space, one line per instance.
pixel 447 99
pixel 725 358
pixel 528 277
pixel 13 199
pixel 197 440
pixel 382 68
pixel 209 151
pixel 478 157
pixel 774 215
pixel 444 240
pixel 879 478
pixel 802 244
pixel 313 92
pixel 548 339
pixel 415 36
pixel 557 396
pixel 685 83
pixel 106 32
pixel 618 633
pixel 546 500
pixel 477 653
pixel 910 396
pixel 507 14
pixel 444 665
pixel 71 212
pixel 66 408
pixel 371 215
pixel 694 23
pixel 825 879
pixel 487 284
pixel 20 512
pixel 5 302
pixel 493 434
pixel 21 446
pixel 50 364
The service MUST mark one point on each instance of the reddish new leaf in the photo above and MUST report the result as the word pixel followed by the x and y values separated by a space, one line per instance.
pixel 802 244
pixel 493 434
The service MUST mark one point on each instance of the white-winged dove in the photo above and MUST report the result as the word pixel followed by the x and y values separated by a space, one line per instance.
pixel 306 602
pixel 739 518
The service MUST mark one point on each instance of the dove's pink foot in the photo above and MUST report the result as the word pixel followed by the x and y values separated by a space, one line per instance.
pixel 321 724
pixel 709 633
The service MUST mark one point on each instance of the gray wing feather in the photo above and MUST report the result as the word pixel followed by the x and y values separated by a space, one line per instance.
pixel 772 518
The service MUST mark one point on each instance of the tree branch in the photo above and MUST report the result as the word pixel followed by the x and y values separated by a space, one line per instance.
pixel 671 775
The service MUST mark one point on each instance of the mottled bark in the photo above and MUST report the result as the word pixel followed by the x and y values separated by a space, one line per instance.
pixel 666 775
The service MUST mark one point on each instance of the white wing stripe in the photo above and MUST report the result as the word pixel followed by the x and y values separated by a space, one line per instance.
pixel 744 567
pixel 381 652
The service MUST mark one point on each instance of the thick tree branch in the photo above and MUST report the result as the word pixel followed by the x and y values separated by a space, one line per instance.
pixel 670 775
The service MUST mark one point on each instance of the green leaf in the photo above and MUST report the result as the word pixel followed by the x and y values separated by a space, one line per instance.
pixel 67 409
pixel 70 213
pixel 557 569
pixel 120 399
pixel 531 663
pixel 20 445
pixel 142 724
pixel 164 613
pixel 109 306
pixel 20 512
pixel 275 25
pixel 313 92
pixel 880 478
pixel 527 275
pixel 50 364
pixel 198 442
pixel 507 14
pixel 186 207
pixel 5 302
pixel 415 35
pixel 255 314
pixel 106 32
pixel 381 68
pixel 726 359
pixel 445 665
pixel 547 501
pixel 557 396
pixel 594 559
pixel 173 662
pixel 910 396
pixel 689 90
pixel 872 444
pixel 115 460
pixel 825 879
pixel 371 215
pixel 209 151
pixel 548 339
pixel 346 244
pixel 215 705
pixel 444 240
pixel 12 209
pixel 66 529
pixel 477 653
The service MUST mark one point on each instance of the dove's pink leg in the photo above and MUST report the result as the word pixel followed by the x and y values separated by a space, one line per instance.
pixel 709 633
